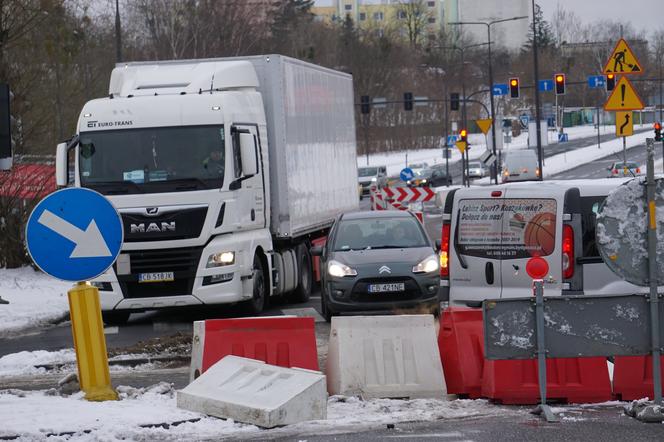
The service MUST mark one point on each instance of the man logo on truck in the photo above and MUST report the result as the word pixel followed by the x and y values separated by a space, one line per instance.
pixel 153 227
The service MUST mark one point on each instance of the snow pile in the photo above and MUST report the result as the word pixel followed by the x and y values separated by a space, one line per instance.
pixel 34 299
pixel 150 413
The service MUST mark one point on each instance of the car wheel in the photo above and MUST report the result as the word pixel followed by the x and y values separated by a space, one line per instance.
pixel 326 313
pixel 115 317
pixel 303 290
pixel 258 300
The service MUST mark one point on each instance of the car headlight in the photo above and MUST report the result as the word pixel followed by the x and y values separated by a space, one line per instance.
pixel 220 259
pixel 428 265
pixel 374 179
pixel 339 270
pixel 423 181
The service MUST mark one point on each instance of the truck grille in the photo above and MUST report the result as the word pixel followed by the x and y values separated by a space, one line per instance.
pixel 183 224
pixel 183 262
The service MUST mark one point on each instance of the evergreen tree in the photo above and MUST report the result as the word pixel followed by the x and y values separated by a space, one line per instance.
pixel 543 32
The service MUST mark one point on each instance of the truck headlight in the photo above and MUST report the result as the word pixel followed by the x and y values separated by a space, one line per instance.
pixel 374 179
pixel 339 270
pixel 428 265
pixel 220 259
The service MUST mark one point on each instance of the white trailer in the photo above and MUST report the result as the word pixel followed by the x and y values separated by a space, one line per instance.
pixel 223 170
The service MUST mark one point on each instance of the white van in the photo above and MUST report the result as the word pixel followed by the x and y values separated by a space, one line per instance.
pixel 489 233
pixel 520 165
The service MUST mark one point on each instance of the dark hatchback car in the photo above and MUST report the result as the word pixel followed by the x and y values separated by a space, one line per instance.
pixel 378 262
pixel 432 177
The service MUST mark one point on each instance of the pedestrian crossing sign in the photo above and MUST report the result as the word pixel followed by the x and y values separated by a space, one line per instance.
pixel 622 61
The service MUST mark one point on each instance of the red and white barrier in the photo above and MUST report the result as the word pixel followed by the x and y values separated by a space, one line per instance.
pixel 400 198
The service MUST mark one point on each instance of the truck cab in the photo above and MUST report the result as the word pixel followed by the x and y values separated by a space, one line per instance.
pixel 184 151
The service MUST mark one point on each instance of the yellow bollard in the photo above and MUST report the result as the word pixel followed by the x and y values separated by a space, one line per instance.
pixel 90 343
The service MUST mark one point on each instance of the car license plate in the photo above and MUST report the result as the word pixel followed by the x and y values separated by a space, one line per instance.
pixel 382 288
pixel 156 277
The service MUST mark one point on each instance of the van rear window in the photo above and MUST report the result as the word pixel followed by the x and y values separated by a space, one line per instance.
pixel 589 208
pixel 506 229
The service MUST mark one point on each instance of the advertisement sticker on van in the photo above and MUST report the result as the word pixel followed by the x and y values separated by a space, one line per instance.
pixel 507 228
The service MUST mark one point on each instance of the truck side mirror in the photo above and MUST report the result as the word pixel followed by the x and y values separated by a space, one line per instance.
pixel 248 154
pixel 61 166
pixel 316 251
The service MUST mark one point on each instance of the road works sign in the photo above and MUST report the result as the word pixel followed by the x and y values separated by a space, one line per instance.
pixel 484 124
pixel 74 234
pixel 623 97
pixel 624 124
pixel 622 61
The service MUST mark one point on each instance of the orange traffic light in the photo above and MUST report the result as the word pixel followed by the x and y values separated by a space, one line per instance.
pixel 610 82
pixel 463 133
pixel 514 87
pixel 658 126
pixel 560 84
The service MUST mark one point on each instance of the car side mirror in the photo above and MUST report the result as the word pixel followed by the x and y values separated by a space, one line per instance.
pixel 316 251
pixel 439 244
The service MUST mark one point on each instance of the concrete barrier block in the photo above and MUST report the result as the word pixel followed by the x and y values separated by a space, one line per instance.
pixel 254 392
pixel 385 357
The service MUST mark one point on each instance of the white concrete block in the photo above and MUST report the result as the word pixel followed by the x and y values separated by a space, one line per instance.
pixel 253 392
pixel 385 357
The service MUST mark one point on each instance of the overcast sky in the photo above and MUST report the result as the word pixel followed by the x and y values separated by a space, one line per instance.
pixel 643 14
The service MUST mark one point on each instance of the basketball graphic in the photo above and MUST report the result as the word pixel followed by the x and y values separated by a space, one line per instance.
pixel 539 237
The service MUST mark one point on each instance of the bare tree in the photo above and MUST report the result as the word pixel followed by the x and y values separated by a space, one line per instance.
pixel 414 18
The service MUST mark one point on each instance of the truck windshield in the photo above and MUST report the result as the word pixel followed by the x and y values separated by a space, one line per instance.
pixel 147 160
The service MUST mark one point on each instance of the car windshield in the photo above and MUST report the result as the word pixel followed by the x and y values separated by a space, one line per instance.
pixel 367 171
pixel 417 166
pixel 379 233
pixel 152 159
pixel 475 165
pixel 426 173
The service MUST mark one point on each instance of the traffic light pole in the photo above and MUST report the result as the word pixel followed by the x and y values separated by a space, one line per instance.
pixel 537 99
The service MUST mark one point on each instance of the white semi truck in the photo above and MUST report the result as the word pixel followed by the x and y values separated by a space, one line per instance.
pixel 223 172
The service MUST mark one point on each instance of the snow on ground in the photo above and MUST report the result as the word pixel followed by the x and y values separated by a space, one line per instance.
pixel 34 299
pixel 141 413
pixel 395 161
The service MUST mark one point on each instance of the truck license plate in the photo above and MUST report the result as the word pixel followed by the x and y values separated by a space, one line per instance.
pixel 156 277
pixel 382 288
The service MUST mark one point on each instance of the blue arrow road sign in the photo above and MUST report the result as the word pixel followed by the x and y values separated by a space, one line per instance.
pixel 407 174
pixel 545 85
pixel 74 234
pixel 596 81
pixel 499 89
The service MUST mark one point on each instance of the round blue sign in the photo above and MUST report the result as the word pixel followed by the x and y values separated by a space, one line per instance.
pixel 74 234
pixel 407 174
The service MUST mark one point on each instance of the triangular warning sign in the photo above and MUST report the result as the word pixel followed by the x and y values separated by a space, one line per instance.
pixel 461 145
pixel 484 125
pixel 623 97
pixel 622 61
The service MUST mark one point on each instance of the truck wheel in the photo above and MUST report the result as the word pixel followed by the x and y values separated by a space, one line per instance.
pixel 115 317
pixel 257 302
pixel 303 290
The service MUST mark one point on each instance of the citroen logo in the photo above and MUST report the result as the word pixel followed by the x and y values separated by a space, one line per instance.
pixel 385 269
pixel 152 211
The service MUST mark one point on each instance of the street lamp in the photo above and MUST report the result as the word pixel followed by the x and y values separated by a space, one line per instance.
pixel 488 24
pixel 464 115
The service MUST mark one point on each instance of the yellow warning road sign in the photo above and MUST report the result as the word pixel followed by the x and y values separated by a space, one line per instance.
pixel 484 124
pixel 461 145
pixel 624 124
pixel 622 60
pixel 623 97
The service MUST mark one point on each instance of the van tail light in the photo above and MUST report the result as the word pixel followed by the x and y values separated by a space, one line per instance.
pixel 615 171
pixel 445 251
pixel 568 251
pixel 638 170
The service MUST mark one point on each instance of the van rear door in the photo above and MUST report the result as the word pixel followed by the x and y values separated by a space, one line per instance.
pixel 474 262
pixel 531 227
